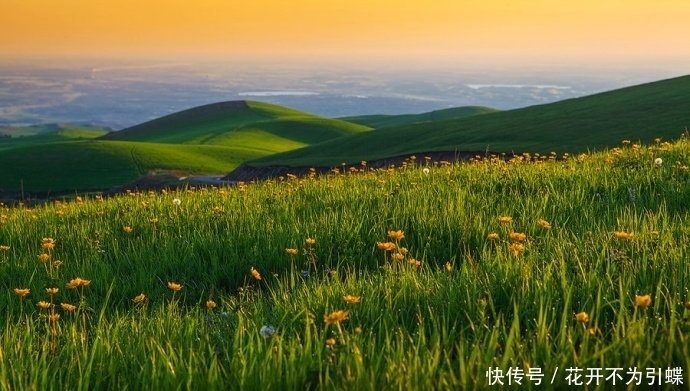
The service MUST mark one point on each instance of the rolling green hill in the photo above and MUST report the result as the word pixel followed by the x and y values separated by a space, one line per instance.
pixel 63 133
pixel 103 164
pixel 244 124
pixel 642 112
pixel 33 130
pixel 214 138
pixel 379 121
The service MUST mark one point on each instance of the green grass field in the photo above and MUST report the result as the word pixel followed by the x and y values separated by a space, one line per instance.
pixel 56 136
pixel 208 139
pixel 416 277
pixel 386 121
pixel 598 121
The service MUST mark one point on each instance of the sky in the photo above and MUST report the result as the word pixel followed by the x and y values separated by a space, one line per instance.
pixel 398 31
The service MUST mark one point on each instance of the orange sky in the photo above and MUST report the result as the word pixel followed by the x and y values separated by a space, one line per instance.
pixel 467 30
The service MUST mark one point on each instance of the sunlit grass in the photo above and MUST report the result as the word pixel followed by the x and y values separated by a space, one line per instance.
pixel 402 278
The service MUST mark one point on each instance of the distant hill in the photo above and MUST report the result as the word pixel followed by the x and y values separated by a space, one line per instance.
pixel 209 139
pixel 20 137
pixel 378 121
pixel 32 130
pixel 240 124
pixel 643 112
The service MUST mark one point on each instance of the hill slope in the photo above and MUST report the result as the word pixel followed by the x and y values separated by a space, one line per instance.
pixel 245 124
pixel 642 112
pixel 208 139
pixel 45 134
pixel 378 121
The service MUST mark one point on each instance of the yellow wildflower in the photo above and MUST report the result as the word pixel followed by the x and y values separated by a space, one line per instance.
pixel 52 291
pixel 687 305
pixel 210 304
pixel 76 282
pixel 449 267
pixel 398 257
pixel 517 236
pixel 516 249
pixel 291 251
pixel 505 219
pixel 255 273
pixel 68 307
pixel 330 342
pixel 352 299
pixel 22 291
pixel 54 317
pixel 154 220
pixel 386 246
pixel 582 317
pixel 336 317
pixel 174 286
pixel 358 330
pixel 492 236
pixel 43 304
pixel 415 263
pixel 127 229
pixel 310 241
pixel 396 235
pixel 623 235
pixel 73 283
pixel 544 224
pixel 43 257
pixel 139 298
pixel 48 243
pixel 643 301
pixel 4 248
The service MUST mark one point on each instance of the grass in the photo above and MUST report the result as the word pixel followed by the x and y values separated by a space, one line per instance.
pixel 209 139
pixel 216 124
pixel 102 164
pixel 59 135
pixel 387 121
pixel 639 113
pixel 441 307
pixel 33 130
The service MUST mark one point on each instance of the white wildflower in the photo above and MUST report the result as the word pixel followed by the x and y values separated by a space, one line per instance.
pixel 267 331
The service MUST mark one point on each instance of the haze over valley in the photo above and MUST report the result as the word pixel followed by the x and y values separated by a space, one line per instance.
pixel 119 93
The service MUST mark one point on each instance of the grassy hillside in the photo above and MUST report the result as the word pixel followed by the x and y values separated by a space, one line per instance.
pixel 643 112
pixel 209 139
pixel 57 133
pixel 33 130
pixel 386 121
pixel 103 164
pixel 217 124
pixel 389 279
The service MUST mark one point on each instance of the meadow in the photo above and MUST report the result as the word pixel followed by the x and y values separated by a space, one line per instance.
pixel 209 139
pixel 594 122
pixel 431 275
